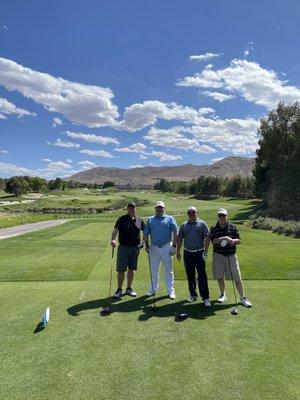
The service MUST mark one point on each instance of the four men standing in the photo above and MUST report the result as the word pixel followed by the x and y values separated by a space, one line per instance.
pixel 194 235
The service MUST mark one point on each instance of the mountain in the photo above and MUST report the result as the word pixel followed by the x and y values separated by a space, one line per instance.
pixel 148 176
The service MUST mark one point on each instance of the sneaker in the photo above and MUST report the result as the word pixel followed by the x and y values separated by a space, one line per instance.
pixel 207 303
pixel 191 298
pixel 221 298
pixel 118 294
pixel 245 302
pixel 172 296
pixel 131 292
pixel 151 293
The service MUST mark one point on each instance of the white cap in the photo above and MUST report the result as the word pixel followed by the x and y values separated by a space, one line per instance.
pixel 160 204
pixel 192 208
pixel 222 211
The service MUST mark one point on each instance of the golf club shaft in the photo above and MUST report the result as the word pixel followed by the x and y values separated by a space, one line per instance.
pixel 111 267
pixel 233 284
pixel 151 279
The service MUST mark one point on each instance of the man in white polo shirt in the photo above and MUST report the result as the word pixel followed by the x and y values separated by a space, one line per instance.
pixel 162 230
pixel 195 235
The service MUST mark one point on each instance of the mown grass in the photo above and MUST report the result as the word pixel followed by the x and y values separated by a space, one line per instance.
pixel 134 353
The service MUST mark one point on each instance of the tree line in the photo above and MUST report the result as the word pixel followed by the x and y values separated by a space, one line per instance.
pixel 210 187
pixel 18 185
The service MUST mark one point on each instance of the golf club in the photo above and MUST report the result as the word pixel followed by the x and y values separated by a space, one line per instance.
pixel 106 310
pixel 154 308
pixel 184 315
pixel 235 309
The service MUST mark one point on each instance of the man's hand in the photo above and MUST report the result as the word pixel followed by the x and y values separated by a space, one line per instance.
pixel 204 256
pixel 178 256
pixel 172 251
pixel 113 243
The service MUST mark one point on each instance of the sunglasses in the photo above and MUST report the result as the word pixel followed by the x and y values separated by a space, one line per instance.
pixel 191 212
pixel 221 215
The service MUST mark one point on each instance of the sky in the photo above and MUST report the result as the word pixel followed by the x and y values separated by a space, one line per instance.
pixel 135 83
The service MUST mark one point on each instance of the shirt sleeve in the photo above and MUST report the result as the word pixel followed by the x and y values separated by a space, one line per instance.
pixel 142 224
pixel 181 232
pixel 147 228
pixel 235 232
pixel 118 224
pixel 173 225
pixel 205 230
pixel 213 234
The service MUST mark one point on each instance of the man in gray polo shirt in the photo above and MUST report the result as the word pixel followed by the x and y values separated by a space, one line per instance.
pixel 194 233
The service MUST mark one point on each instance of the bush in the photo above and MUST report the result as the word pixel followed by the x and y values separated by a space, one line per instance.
pixel 288 228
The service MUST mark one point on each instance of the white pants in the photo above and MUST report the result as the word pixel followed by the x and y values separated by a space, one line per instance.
pixel 161 255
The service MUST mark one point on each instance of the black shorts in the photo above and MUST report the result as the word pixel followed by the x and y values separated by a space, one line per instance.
pixel 127 257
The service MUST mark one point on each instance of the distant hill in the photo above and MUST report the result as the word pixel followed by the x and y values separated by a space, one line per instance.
pixel 148 176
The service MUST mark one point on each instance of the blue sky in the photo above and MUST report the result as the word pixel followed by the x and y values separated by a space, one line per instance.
pixel 138 83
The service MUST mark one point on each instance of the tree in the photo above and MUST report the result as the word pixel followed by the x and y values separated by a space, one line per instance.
pixel 2 184
pixel 16 185
pixel 277 168
pixel 107 184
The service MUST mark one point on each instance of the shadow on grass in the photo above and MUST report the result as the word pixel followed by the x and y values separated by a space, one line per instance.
pixel 146 306
pixel 246 213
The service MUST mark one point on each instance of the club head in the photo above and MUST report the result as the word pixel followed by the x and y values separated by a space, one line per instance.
pixel 182 316
pixel 234 311
pixel 105 311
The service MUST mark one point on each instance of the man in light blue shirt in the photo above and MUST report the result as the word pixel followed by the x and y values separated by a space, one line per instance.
pixel 162 230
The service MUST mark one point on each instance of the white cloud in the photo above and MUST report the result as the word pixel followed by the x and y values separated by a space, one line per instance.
pixel 46 159
pixel 143 157
pixel 4 152
pixel 8 108
pixel 58 165
pixel 133 148
pixel 204 57
pixel 238 136
pixel 137 166
pixel 56 122
pixel 249 48
pixel 218 96
pixel 82 104
pixel 164 156
pixel 97 153
pixel 68 160
pixel 249 80
pixel 142 115
pixel 86 164
pixel 204 149
pixel 4 26
pixel 61 143
pixel 91 138
pixel 12 169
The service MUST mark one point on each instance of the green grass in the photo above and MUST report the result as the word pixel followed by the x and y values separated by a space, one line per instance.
pixel 134 353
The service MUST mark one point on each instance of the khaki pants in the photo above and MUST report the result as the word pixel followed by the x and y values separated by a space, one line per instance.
pixel 221 266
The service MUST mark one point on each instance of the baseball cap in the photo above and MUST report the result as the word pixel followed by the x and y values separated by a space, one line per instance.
pixel 131 204
pixel 160 204
pixel 222 211
pixel 192 208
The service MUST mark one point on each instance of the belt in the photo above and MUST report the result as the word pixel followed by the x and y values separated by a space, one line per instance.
pixel 193 251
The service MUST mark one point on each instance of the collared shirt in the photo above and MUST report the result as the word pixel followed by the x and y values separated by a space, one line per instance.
pixel 217 231
pixel 160 229
pixel 129 230
pixel 194 234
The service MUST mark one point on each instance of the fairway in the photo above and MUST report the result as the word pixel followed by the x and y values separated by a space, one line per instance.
pixel 135 353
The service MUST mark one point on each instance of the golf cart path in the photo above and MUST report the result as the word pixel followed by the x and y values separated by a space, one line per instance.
pixel 26 228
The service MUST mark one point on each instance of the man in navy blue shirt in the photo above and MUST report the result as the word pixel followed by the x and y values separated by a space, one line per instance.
pixel 194 234
pixel 128 229
pixel 162 230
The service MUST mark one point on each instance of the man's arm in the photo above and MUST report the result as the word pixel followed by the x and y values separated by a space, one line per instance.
pixel 179 244
pixel 114 234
